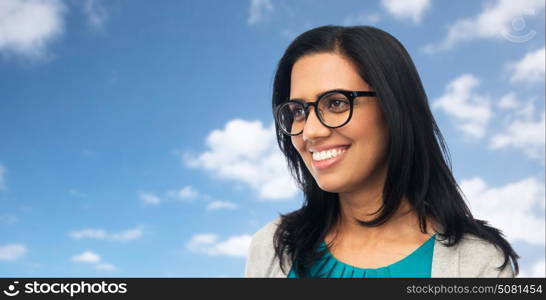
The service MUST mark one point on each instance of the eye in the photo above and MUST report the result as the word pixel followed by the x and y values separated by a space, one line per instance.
pixel 297 111
pixel 337 104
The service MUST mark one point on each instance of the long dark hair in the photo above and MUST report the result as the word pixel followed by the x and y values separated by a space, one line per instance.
pixel 419 167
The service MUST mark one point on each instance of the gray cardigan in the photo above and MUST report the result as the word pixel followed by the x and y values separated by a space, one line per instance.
pixel 471 257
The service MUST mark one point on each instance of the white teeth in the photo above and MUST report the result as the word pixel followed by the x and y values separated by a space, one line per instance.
pixel 322 155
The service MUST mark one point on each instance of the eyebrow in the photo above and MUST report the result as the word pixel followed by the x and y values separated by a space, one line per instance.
pixel 317 96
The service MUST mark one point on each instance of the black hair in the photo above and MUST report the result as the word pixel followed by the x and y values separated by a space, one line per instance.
pixel 419 167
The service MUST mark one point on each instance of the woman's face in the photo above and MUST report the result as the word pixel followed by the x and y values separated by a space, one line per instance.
pixel 364 138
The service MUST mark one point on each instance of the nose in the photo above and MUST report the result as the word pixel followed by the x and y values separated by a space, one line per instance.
pixel 313 128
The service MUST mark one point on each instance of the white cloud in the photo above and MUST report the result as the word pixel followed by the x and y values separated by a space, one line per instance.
pixel 208 243
pixel 28 26
pixel 530 69
pixel 127 235
pixel 94 259
pixel 523 134
pixel 100 234
pixel 524 111
pixel 3 171
pixel 523 127
pixel 471 111
pixel 538 269
pixel 187 192
pixel 88 233
pixel 495 21
pixel 516 208
pixel 407 9
pixel 149 198
pixel 201 239
pixel 12 252
pixel 259 11
pixel 508 101
pixel 95 13
pixel 247 152
pixel 87 257
pixel 215 205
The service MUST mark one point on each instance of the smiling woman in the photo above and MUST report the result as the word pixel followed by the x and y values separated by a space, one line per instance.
pixel 353 121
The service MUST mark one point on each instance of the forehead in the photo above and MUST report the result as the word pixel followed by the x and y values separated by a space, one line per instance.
pixel 316 73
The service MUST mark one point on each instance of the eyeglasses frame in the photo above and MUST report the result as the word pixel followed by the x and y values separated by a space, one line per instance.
pixel 351 95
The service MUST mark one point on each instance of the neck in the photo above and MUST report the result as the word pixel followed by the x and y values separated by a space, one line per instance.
pixel 364 204
pixel 403 221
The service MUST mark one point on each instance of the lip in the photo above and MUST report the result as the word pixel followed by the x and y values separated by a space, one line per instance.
pixel 322 148
pixel 324 164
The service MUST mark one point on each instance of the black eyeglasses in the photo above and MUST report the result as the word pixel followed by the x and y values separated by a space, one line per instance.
pixel 333 108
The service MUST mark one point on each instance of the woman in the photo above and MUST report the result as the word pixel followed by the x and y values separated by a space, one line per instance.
pixel 353 122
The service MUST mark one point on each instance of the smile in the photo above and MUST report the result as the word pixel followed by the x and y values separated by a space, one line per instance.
pixel 328 158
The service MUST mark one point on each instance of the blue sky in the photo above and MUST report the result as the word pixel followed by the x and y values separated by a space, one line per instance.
pixel 136 137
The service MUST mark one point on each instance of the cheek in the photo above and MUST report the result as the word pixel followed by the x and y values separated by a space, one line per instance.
pixel 382 133
pixel 297 142
pixel 375 123
pixel 379 142
pixel 371 136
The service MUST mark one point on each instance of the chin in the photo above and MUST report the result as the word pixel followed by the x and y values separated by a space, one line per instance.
pixel 331 185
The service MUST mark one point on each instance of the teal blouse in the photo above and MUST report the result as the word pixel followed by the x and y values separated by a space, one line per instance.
pixel 416 264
